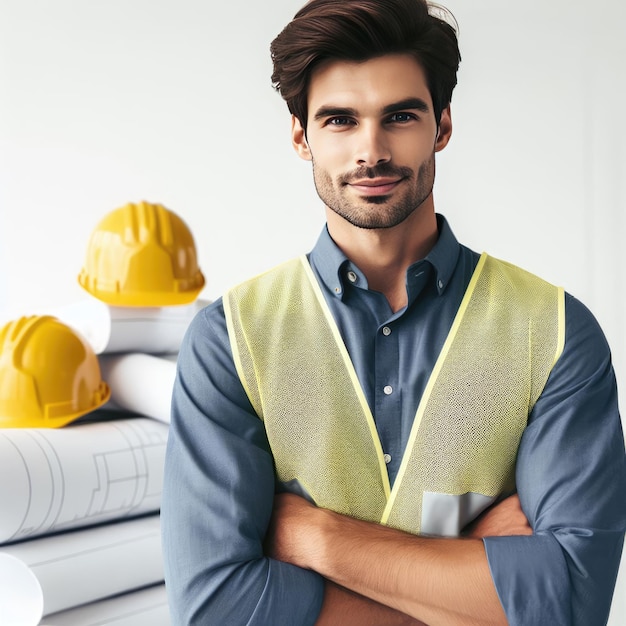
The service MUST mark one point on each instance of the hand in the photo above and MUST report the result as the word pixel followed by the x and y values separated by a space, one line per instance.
pixel 286 537
pixel 502 519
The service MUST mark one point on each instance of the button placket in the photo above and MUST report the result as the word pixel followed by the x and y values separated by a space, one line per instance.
pixel 387 393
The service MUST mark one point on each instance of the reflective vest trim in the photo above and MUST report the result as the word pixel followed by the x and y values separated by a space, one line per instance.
pixel 344 355
pixel 431 382
pixel 353 376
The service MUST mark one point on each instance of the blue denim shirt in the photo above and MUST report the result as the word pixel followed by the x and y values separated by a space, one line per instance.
pixel 219 479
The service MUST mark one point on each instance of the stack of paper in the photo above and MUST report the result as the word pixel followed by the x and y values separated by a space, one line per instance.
pixel 80 516
pixel 79 524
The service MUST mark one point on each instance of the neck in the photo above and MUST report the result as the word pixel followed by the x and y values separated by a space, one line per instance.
pixel 384 255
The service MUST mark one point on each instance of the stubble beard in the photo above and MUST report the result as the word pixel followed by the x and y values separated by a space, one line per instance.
pixel 375 212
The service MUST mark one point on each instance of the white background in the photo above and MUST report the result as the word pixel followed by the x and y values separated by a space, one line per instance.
pixel 105 102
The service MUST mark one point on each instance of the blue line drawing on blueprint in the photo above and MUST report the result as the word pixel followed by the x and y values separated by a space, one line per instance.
pixel 57 479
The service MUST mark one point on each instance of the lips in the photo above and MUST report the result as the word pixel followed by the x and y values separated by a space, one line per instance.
pixel 375 186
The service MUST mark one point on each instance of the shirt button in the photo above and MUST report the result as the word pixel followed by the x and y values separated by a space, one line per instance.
pixel 440 284
pixel 386 331
pixel 352 277
pixel 387 458
pixel 388 390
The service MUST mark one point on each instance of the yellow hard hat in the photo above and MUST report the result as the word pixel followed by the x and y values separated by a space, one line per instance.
pixel 49 374
pixel 142 255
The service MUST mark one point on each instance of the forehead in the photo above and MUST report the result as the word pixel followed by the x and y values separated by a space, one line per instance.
pixel 374 83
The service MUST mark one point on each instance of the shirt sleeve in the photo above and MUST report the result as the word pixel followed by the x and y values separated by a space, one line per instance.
pixel 571 480
pixel 217 498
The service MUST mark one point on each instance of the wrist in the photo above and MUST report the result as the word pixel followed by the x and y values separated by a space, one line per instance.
pixel 313 538
pixel 325 535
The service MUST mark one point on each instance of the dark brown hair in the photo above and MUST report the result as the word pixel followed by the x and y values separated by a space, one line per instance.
pixel 357 30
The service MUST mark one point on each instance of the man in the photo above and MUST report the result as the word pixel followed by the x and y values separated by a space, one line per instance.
pixel 347 427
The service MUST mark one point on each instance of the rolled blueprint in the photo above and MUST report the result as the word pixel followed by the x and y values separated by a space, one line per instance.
pixel 83 566
pixel 79 475
pixel 21 599
pixel 140 383
pixel 153 330
pixel 146 607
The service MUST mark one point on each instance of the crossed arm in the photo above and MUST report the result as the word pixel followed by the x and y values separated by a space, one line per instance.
pixel 377 575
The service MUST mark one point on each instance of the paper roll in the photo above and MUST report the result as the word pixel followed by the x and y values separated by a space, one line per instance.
pixel 146 607
pixel 140 383
pixel 115 329
pixel 56 479
pixel 21 597
pixel 83 566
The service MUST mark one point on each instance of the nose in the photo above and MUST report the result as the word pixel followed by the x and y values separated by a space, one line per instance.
pixel 372 147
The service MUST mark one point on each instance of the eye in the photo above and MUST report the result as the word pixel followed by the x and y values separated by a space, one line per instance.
pixel 339 121
pixel 402 117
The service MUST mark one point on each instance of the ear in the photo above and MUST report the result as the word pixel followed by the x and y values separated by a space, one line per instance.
pixel 445 130
pixel 298 139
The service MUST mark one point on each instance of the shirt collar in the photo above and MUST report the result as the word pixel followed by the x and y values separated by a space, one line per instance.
pixel 328 261
pixel 331 264
pixel 444 255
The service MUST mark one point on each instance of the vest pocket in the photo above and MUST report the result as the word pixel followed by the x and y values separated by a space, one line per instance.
pixel 446 515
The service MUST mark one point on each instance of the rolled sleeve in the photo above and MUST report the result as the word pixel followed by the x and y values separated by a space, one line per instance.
pixel 571 479
pixel 217 498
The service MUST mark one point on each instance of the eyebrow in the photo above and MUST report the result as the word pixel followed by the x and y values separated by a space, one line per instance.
pixel 333 111
pixel 408 103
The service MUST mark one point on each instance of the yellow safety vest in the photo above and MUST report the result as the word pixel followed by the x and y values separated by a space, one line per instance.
pixel 295 368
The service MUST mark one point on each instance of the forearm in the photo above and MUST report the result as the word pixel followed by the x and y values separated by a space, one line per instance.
pixel 345 607
pixel 440 581
pixel 435 580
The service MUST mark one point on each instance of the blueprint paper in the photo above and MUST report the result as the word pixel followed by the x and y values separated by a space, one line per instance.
pixel 21 599
pixel 146 607
pixel 110 329
pixel 79 475
pixel 140 383
pixel 84 566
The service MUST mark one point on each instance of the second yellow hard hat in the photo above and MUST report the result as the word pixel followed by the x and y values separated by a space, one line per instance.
pixel 49 374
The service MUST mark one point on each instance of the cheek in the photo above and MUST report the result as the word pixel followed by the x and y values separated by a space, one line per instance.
pixel 331 153
pixel 414 148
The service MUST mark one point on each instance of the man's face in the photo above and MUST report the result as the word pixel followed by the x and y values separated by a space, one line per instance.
pixel 371 135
